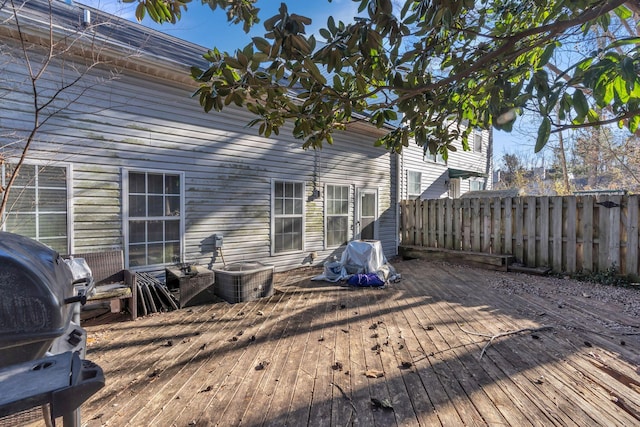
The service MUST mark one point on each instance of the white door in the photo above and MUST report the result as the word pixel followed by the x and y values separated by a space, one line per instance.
pixel 366 222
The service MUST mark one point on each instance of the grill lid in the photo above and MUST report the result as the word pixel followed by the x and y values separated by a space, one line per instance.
pixel 34 284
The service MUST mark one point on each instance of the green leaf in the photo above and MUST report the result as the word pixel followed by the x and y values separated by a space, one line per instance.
pixel 634 123
pixel 315 72
pixel 623 12
pixel 546 55
pixel 620 87
pixel 628 70
pixel 325 33
pixel 543 134
pixel 263 45
pixel 580 104
pixel 623 42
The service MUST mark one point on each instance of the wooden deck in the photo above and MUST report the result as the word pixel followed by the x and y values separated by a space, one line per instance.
pixel 300 358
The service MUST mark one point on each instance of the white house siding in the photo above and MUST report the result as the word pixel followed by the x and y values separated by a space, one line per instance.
pixel 141 122
pixel 435 176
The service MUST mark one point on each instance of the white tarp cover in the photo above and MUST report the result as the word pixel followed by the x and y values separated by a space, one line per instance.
pixel 360 256
pixel 363 256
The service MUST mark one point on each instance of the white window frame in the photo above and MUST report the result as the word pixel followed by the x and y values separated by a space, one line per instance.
pixel 348 214
pixel 127 217
pixel 274 217
pixel 69 198
pixel 410 192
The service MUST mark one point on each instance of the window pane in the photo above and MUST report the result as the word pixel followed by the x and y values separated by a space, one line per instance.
pixel 477 142
pixel 337 230
pixel 23 224
pixel 137 206
pixel 173 205
pixel 172 230
pixel 26 176
pixel 58 244
pixel 172 252
pixel 53 225
pixel 368 205
pixel 288 207
pixel 156 253
pixel 52 200
pixel 137 231
pixel 172 184
pixel 137 255
pixel 156 183
pixel 297 209
pixel 22 200
pixel 277 244
pixel 137 183
pixel 156 231
pixel 279 190
pixel 156 206
pixel 52 177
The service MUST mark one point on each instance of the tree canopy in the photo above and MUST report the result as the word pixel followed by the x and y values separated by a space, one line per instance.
pixel 436 68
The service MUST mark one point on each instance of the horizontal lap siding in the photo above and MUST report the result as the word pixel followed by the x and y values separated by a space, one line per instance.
pixel 434 175
pixel 137 122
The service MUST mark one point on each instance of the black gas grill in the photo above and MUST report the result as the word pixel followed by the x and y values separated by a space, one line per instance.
pixel 42 345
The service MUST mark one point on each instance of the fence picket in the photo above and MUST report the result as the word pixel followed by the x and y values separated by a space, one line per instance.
pixel 631 249
pixel 530 230
pixel 496 214
pixel 571 222
pixel 543 231
pixel 508 226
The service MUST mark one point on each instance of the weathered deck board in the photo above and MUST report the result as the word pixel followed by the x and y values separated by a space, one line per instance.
pixel 412 331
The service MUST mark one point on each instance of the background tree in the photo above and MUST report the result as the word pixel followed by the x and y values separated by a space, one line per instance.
pixel 439 68
pixel 49 74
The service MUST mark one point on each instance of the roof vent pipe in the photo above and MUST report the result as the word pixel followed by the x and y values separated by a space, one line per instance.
pixel 86 17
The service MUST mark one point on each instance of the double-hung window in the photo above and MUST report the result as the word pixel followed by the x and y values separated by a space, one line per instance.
pixel 155 217
pixel 436 158
pixel 337 217
pixel 37 205
pixel 414 183
pixel 476 185
pixel 477 141
pixel 288 216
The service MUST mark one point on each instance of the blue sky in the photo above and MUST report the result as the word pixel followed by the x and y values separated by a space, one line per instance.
pixel 210 29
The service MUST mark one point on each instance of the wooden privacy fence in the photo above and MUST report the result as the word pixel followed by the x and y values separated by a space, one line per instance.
pixel 568 234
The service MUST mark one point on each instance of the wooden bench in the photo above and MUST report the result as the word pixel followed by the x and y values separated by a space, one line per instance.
pixel 478 259
pixel 112 281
